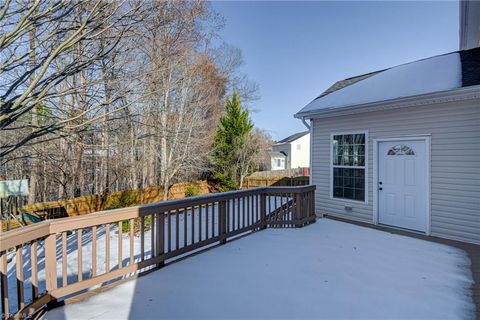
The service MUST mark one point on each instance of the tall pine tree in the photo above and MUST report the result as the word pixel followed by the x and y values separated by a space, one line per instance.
pixel 234 131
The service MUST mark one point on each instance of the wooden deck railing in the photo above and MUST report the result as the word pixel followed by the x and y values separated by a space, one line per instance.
pixel 37 263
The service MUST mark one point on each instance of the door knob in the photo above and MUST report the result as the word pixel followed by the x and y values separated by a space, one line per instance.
pixel 380 182
pixel 380 188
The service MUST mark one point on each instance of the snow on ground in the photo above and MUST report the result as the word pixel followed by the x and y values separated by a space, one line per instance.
pixel 326 270
pixel 72 245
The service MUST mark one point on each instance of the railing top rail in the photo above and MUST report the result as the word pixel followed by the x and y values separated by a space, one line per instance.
pixel 16 237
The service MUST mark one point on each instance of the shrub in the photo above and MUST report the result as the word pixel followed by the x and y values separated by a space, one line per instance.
pixel 122 200
pixel 192 190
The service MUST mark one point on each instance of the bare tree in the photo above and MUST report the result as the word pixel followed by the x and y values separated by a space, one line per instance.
pixel 37 48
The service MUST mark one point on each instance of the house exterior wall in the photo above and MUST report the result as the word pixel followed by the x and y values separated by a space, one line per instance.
pixel 285 148
pixel 274 163
pixel 300 157
pixel 454 129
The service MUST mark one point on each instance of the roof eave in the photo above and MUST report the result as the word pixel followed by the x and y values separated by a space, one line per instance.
pixel 458 94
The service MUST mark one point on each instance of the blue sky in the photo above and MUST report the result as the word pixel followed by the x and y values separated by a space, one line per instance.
pixel 295 50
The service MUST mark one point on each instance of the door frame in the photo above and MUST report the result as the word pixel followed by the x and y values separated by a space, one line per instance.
pixel 427 139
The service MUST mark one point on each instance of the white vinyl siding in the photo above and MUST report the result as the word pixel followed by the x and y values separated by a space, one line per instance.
pixel 455 162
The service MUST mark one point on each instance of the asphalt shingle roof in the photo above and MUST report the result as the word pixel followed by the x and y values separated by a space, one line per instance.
pixel 293 137
pixel 435 74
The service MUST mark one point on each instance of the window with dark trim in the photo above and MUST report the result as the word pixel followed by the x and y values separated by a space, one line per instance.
pixel 349 166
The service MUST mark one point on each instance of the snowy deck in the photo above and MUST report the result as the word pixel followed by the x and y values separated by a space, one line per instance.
pixel 329 269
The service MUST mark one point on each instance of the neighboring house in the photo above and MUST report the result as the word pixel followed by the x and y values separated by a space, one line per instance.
pixel 278 160
pixel 401 147
pixel 291 152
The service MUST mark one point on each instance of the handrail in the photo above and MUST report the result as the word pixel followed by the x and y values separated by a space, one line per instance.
pixel 175 227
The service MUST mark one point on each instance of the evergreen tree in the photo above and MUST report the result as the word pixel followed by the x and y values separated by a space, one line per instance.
pixel 234 131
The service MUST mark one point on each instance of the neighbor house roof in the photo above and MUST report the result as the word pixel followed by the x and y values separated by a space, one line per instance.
pixel 276 154
pixel 293 137
pixel 436 74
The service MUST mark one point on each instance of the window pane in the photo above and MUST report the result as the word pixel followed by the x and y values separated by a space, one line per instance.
pixel 359 139
pixel 348 193
pixel 349 150
pixel 349 183
pixel 338 192
pixel 359 195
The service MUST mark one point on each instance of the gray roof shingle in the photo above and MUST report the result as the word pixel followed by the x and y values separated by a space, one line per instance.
pixel 434 74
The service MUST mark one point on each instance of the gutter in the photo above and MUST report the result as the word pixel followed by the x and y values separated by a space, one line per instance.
pixel 458 94
pixel 305 123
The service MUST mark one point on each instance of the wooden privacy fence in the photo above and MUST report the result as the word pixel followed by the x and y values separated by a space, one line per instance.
pixel 58 259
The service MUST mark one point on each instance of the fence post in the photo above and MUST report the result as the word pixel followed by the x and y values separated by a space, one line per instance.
pixel 160 241
pixel 51 262
pixel 222 221
pixel 263 210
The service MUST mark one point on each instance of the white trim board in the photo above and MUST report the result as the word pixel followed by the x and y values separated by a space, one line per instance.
pixel 427 139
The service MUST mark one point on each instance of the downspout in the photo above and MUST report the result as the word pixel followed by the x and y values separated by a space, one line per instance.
pixel 305 123
pixel 309 127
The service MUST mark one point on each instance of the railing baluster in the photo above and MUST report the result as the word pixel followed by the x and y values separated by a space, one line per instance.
pixel 120 244
pixel 193 225
pixel 255 205
pixel 4 283
pixel 19 273
pixel 185 230
pixel 239 215
pixel 159 233
pixel 169 234
pixel 227 218
pixel 243 212
pixel 34 268
pixel 142 238
pixel 248 210
pixel 213 218
pixel 107 248
pixel 206 221
pixel 132 241
pixel 94 251
pixel 152 236
pixel 79 255
pixel 177 230
pixel 64 260
pixel 200 223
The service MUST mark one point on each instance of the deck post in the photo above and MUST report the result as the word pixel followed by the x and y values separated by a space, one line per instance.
pixel 51 264
pixel 160 237
pixel 312 204
pixel 222 221
pixel 298 210
pixel 263 210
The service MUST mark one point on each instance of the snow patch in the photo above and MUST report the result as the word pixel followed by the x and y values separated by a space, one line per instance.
pixel 430 75
pixel 327 270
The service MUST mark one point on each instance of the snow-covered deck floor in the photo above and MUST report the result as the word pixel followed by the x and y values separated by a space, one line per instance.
pixel 329 269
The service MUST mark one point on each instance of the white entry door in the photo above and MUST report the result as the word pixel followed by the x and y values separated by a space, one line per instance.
pixel 402 184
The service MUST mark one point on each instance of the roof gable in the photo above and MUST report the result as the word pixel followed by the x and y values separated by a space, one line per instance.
pixel 435 74
pixel 293 137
